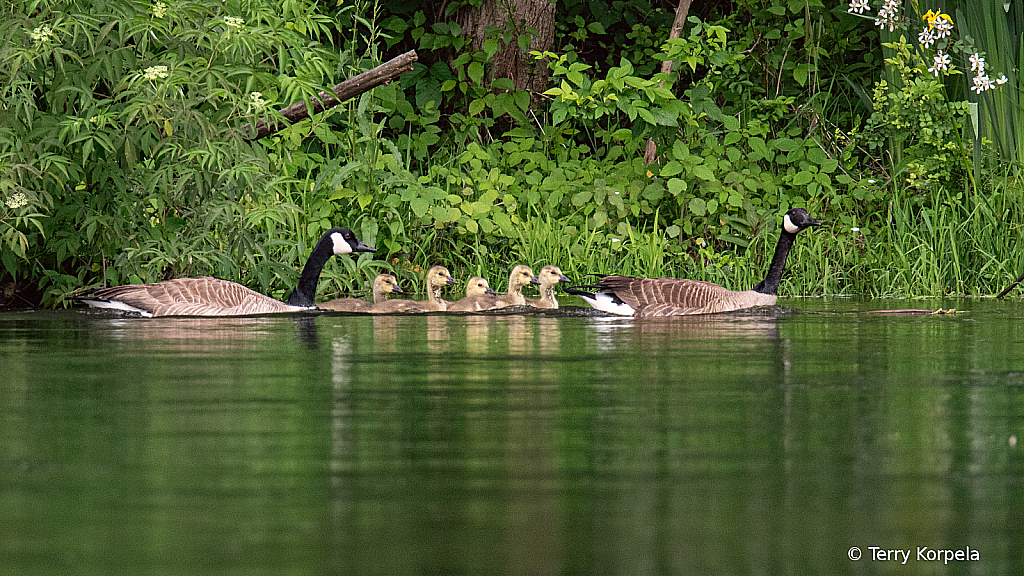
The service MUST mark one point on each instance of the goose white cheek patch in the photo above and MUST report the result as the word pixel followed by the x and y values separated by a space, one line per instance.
pixel 340 245
pixel 789 226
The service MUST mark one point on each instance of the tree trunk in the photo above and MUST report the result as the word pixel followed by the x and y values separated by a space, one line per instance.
pixel 666 67
pixel 513 16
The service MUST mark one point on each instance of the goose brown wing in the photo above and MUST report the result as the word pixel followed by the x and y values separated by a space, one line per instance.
pixel 664 296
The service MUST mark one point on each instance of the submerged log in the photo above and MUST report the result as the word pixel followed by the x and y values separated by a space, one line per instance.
pixel 352 87
pixel 911 312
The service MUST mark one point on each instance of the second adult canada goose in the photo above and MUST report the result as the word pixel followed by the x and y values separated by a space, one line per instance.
pixel 520 276
pixel 479 297
pixel 651 297
pixel 207 296
pixel 383 285
pixel 437 277
pixel 549 277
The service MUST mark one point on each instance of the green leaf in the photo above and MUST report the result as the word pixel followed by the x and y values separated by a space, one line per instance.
pixel 803 178
pixel 503 84
pixel 420 206
pixel 698 207
pixel 676 186
pixel 581 198
pixel 703 172
pixel 476 72
pixel 679 150
pixel 672 168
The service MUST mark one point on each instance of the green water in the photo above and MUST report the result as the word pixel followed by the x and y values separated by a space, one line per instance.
pixel 527 444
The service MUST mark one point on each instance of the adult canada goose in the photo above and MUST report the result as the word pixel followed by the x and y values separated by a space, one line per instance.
pixel 549 277
pixel 383 285
pixel 207 296
pixel 521 276
pixel 479 296
pixel 437 277
pixel 650 297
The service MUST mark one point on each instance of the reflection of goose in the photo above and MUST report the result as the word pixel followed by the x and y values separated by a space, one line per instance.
pixel 479 296
pixel 206 296
pixel 647 297
pixel 437 277
pixel 549 277
pixel 521 276
pixel 383 285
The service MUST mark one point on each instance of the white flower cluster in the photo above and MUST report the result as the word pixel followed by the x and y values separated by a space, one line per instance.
pixel 981 80
pixel 159 10
pixel 941 63
pixel 939 27
pixel 42 34
pixel 234 22
pixel 256 101
pixel 16 200
pixel 154 72
pixel 889 15
pixel 858 6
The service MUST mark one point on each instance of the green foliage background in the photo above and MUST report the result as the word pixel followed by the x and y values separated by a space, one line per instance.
pixel 114 170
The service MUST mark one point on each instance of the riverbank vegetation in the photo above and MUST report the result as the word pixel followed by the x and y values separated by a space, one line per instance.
pixel 123 156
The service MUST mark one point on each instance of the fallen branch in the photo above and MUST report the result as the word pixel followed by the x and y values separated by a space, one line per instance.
pixel 352 87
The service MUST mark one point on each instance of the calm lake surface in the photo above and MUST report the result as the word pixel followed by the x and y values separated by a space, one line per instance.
pixel 770 442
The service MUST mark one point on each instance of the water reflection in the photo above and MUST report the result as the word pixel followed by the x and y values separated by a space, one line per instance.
pixel 509 444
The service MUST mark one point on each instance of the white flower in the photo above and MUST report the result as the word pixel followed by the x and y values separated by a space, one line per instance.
pixel 888 15
pixel 42 34
pixel 154 72
pixel 858 6
pixel 256 101
pixel 977 63
pixel 981 84
pixel 1002 79
pixel 16 200
pixel 855 229
pixel 941 63
pixel 159 10
pixel 233 21
pixel 943 26
pixel 927 37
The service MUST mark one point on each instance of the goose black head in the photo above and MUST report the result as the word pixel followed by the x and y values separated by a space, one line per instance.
pixel 798 219
pixel 345 242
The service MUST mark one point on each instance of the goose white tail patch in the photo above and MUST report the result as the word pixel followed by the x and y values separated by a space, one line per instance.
pixel 789 226
pixel 115 305
pixel 341 246
pixel 606 303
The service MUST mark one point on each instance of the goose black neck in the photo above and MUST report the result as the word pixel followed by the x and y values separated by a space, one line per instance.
pixel 770 284
pixel 305 292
